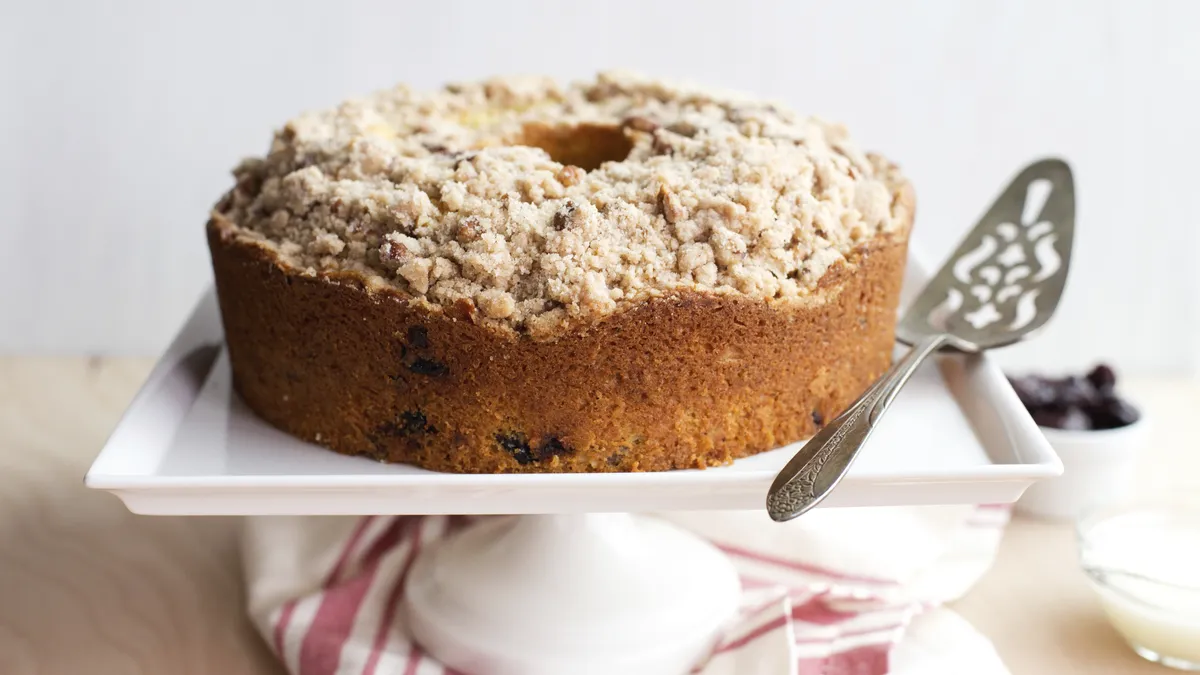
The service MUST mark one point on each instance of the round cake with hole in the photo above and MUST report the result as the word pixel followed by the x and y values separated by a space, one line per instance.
pixel 520 276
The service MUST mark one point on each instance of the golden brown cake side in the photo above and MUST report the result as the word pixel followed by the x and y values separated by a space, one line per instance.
pixel 684 380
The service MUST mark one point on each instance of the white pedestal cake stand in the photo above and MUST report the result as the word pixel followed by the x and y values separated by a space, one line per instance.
pixel 578 593
pixel 592 589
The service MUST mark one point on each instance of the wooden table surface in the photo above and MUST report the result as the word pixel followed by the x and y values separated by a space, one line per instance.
pixel 85 586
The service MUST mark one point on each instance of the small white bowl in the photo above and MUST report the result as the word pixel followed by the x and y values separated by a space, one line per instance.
pixel 1098 468
pixel 1144 563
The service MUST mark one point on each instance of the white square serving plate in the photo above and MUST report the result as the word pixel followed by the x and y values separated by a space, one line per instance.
pixel 187 445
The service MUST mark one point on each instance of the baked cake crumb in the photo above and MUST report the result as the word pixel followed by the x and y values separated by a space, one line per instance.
pixel 513 276
pixel 535 207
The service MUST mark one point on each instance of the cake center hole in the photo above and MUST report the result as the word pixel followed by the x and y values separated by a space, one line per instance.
pixel 586 146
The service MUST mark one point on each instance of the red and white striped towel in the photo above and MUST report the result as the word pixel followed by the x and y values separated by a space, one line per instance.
pixel 837 592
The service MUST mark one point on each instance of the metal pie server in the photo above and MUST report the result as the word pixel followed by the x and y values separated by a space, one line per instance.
pixel 1001 285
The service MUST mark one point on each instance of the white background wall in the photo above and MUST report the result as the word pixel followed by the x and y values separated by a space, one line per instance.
pixel 119 122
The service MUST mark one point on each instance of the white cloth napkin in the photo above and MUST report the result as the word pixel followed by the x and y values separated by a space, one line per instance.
pixel 837 592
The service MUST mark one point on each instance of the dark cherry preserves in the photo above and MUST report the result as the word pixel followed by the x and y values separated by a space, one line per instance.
pixel 1075 403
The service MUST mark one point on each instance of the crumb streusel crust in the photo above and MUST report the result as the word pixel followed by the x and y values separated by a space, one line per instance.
pixel 533 207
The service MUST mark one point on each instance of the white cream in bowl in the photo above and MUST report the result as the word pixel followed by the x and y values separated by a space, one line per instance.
pixel 1144 562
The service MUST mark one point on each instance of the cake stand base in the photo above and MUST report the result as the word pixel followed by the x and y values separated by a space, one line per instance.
pixel 581 594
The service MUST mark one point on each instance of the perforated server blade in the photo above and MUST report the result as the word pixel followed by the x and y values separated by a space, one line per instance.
pixel 1000 286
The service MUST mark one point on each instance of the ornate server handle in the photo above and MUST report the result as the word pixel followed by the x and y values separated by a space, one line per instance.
pixel 820 465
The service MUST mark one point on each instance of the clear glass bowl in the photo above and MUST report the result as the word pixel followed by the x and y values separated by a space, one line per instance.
pixel 1144 562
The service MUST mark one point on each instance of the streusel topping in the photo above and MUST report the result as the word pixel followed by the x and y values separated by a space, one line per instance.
pixel 536 206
